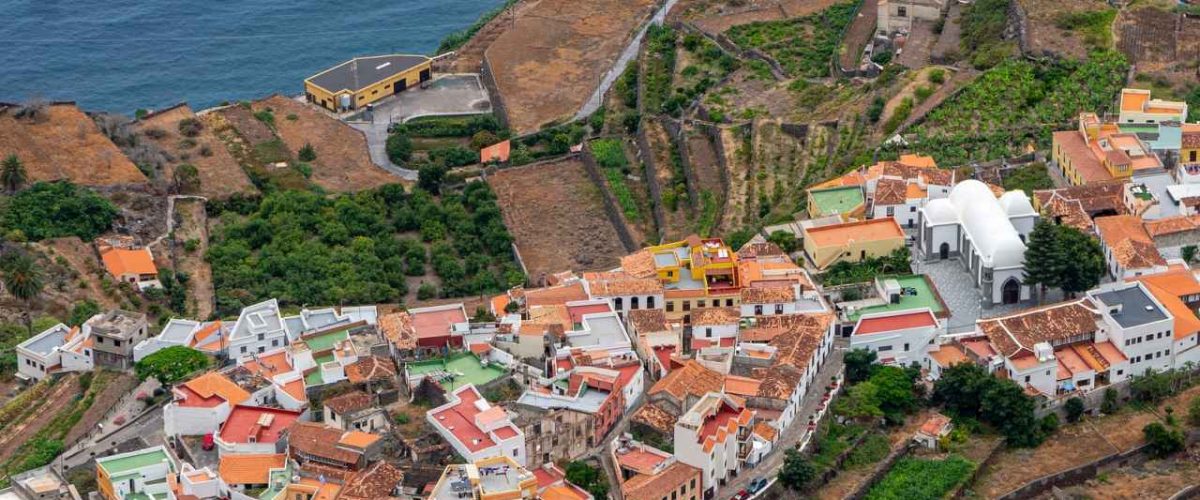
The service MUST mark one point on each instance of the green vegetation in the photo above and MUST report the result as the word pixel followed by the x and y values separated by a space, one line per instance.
pixel 58 209
pixel 983 26
pixel 659 69
pixel 1018 103
pixel 610 156
pixel 171 365
pixel 803 46
pixel 797 472
pixel 922 478
pixel 1163 440
pixel 1095 26
pixel 866 270
pixel 1155 386
pixel 13 174
pixel 459 38
pixel 899 114
pixel 870 451
pixel 889 392
pixel 1029 178
pixel 399 149
pixel 449 126
pixel 1063 257
pixel 305 248
pixel 966 390
pixel 307 153
pixel 586 476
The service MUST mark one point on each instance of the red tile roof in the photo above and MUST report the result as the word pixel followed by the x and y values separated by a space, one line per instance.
pixel 266 425
pixel 915 319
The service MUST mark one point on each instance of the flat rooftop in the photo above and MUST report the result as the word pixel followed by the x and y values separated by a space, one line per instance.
pixel 45 342
pixel 861 231
pixel 456 371
pixel 436 322
pixel 924 296
pixel 836 200
pixel 127 462
pixel 362 72
pixel 1137 308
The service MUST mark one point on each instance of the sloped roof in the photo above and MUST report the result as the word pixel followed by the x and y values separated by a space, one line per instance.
pixel 692 378
pixel 890 192
pixel 611 284
pixel 318 440
pixel 376 481
pixel 237 469
pixel 1016 332
pixel 369 368
pixel 214 384
pixel 349 402
pixel 119 261
pixel 648 320
pixel 655 418
pixel 652 486
pixel 397 327
pixel 710 316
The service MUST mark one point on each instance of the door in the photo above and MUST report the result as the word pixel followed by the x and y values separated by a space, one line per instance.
pixel 426 74
pixel 400 85
pixel 944 251
pixel 1011 292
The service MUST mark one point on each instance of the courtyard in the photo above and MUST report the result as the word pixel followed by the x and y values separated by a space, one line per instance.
pixel 455 371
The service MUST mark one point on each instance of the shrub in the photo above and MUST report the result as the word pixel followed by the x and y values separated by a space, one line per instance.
pixel 937 76
pixel 426 291
pixel 190 127
pixel 267 117
pixel 57 209
pixel 171 365
pixel 483 139
pixel 922 478
pixel 922 92
pixel 399 149
pixel 1163 440
pixel 1074 409
pixel 307 153
pixel 454 156
pixel 1194 412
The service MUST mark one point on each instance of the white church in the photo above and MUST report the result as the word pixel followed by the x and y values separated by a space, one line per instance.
pixel 987 235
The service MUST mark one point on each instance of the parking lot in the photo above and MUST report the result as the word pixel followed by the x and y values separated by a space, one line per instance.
pixel 457 94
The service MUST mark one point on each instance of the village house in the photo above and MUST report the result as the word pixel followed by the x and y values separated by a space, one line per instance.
pixel 1188 171
pixel 1102 152
pixel 1128 248
pixel 475 428
pixel 254 430
pixel 899 15
pixel 1178 290
pixel 324 446
pixel 934 429
pixel 486 478
pixel 114 335
pixel 695 273
pixel 590 390
pixel 553 484
pixel 59 349
pixel 378 480
pixel 355 410
pixel 655 339
pixel 623 291
pixel 1136 106
pixel 851 242
pixel 1172 234
pixel 898 338
pixel 553 434
pixel 136 474
pixel 250 472
pixel 206 337
pixel 647 472
pixel 714 436
pixel 896 189
pixel 1078 206
pixel 130 265
pixel 364 80
pixel 199 406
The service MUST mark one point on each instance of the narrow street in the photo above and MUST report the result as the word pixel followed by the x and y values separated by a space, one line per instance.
pixel 793 435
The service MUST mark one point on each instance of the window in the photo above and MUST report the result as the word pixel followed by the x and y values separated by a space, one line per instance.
pixel 516 452
pixel 274 342
pixel 650 302
pixel 261 349
pixel 906 346
pixel 633 303
pixel 260 336
pixel 708 332
pixel 728 302
pixel 1120 372
pixel 117 343
pixel 1027 379
pixel 243 349
pixel 902 11
pixel 619 303
pixel 778 308
pixel 716 302
pixel 891 211
pixel 912 208
pixel 758 310
pixel 670 307
pixel 884 348
pixel 687 305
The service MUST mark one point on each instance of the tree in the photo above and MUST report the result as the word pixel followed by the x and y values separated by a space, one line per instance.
pixel 797 472
pixel 785 240
pixel 1074 409
pixel 24 281
pixel 483 139
pixel 430 177
pixel 961 387
pixel 429 394
pixel 1194 412
pixel 1188 253
pixel 587 477
pixel 1109 406
pixel 426 291
pixel 171 365
pixel 1043 264
pixel 187 178
pixel 307 153
pixel 12 173
pixel 861 403
pixel 82 311
pixel 1086 259
pixel 1163 440
pixel 858 365
pixel 1006 406
pixel 895 391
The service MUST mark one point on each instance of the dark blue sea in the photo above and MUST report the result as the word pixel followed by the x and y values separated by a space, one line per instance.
pixel 121 55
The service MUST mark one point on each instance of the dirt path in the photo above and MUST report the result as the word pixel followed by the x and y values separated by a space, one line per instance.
pixel 193 225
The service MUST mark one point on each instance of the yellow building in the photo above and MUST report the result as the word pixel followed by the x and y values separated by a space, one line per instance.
pixel 852 241
pixel 495 478
pixel 364 80
pixel 695 272
pixel 1189 153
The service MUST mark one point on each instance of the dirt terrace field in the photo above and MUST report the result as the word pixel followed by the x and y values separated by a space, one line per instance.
pixel 220 174
pixel 550 61
pixel 64 143
pixel 193 222
pixel 82 259
pixel 556 215
pixel 1156 39
pixel 343 163
pixel 1045 37
pixel 716 16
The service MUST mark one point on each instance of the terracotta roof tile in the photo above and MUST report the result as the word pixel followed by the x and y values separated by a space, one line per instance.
pixel 754 250
pixel 648 320
pixel 318 440
pixel 639 264
pixel 611 284
pixel 768 294
pixel 237 469
pixel 764 430
pixel 935 425
pixel 655 418
pixel 398 328
pixel 1019 332
pixel 692 378
pixel 555 295
pixel 349 402
pixel 710 316
pixel 890 192
pixel 215 384
pixel 647 486
pixel 1190 139
pixel 376 481
pixel 369 368
pixel 120 261
pixel 1172 225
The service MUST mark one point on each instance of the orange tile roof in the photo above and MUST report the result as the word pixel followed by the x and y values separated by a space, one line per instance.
pixel 370 368
pixel 765 431
pixel 1172 225
pixel 711 316
pixel 693 378
pixel 119 261
pixel 398 328
pixel 1021 330
pixel 639 264
pixel 496 152
pixel 1167 288
pixel 1133 100
pixel 296 390
pixel 918 160
pixel 644 486
pixel 741 386
pixel 359 439
pixel 835 235
pixel 935 425
pixel 1082 157
pixel 948 355
pixel 238 469
pixel 610 284
pixel 214 384
pixel 555 295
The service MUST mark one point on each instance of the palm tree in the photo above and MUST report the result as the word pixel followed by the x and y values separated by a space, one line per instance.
pixel 12 173
pixel 23 280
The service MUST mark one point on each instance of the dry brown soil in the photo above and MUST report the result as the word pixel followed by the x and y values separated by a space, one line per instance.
pixel 1156 39
pixel 675 222
pixel 64 143
pixel 220 174
pixel 1045 37
pixel 547 65
pixel 343 163
pixel 105 400
pixel 82 259
pixel 716 16
pixel 556 215
pixel 1152 480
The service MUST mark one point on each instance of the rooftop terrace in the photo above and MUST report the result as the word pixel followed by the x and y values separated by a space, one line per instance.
pixel 456 371
pixel 920 293
pixel 837 200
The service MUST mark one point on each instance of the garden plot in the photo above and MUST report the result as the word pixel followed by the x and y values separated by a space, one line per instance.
pixel 343 162
pixel 803 46
pixel 716 16
pixel 1068 28
pixel 627 186
pixel 220 175
pixel 552 57
pixel 672 182
pixel 191 235
pixel 61 142
pixel 556 216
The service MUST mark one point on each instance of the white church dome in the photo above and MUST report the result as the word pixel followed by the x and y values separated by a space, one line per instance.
pixel 968 193
pixel 940 211
pixel 1016 204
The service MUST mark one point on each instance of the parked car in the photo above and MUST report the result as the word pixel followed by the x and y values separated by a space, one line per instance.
pixel 208 442
pixel 741 495
pixel 757 484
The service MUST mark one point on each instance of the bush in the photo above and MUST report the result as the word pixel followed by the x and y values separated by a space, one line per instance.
pixel 1194 412
pixel 922 478
pixel 1074 409
pixel 307 153
pixel 449 126
pixel 1163 440
pixel 267 117
pixel 399 149
pixel 190 127
pixel 82 311
pixel 483 139
pixel 875 110
pixel 937 76
pixel 454 156
pixel 171 365
pixel 58 209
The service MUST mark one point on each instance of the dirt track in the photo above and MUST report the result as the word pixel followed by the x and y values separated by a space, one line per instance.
pixel 556 215
pixel 550 60
pixel 193 222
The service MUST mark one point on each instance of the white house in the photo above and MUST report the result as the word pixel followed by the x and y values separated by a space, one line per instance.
pixel 475 428
pixel 56 350
pixel 1137 324
pixel 259 328
pixel 896 337
pixel 707 437
pixel 137 474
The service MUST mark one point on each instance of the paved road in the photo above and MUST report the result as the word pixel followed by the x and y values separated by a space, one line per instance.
pixel 770 465
pixel 630 53
pixel 149 428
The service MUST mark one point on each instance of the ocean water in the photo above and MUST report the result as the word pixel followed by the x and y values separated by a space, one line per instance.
pixel 121 55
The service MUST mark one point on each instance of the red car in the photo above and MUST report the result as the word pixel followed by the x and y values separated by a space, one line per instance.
pixel 741 495
pixel 208 442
